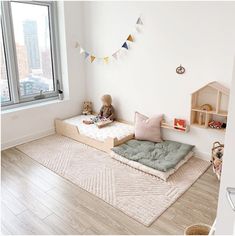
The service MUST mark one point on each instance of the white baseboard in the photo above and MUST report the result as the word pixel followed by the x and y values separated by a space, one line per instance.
pixel 26 139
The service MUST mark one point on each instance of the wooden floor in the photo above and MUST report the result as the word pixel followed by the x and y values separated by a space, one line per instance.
pixel 37 201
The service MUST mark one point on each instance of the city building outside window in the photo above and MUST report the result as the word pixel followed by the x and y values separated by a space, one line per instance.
pixel 29 57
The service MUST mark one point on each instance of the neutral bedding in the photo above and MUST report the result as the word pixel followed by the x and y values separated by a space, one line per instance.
pixel 161 156
pixel 160 174
pixel 114 130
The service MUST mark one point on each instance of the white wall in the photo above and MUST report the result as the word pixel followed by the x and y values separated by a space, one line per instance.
pixel 200 35
pixel 27 124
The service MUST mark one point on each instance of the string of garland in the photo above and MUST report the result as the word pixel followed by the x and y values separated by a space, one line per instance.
pixel 106 59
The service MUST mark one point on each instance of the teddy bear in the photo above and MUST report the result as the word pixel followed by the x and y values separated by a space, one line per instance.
pixel 87 108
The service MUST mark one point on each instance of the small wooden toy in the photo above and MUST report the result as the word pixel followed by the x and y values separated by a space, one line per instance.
pixel 206 107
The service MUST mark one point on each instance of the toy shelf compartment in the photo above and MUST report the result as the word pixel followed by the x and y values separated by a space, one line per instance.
pixel 217 96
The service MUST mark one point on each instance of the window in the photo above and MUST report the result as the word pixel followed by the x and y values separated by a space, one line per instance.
pixel 29 52
pixel 5 91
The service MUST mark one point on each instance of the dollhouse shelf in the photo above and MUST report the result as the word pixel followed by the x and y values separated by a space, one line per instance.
pixel 217 96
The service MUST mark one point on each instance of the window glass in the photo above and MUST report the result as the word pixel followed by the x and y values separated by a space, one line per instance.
pixel 5 91
pixel 33 48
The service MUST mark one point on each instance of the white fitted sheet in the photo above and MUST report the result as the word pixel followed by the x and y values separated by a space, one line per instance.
pixel 114 130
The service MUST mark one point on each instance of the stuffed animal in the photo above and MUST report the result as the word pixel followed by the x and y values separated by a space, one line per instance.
pixel 87 108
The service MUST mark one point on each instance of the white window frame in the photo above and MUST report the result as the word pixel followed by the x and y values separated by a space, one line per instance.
pixel 11 56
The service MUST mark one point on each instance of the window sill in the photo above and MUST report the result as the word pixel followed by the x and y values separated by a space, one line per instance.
pixel 32 105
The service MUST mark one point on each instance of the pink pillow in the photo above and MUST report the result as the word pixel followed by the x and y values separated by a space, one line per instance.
pixel 148 128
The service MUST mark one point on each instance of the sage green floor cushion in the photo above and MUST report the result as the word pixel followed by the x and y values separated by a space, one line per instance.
pixel 160 159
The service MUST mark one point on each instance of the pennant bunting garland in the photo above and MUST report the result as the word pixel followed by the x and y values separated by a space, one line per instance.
pixel 139 21
pixel 125 46
pixel 106 59
pixel 92 58
pixel 86 55
pixel 130 38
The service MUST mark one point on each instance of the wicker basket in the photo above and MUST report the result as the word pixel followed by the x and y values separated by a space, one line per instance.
pixel 197 229
pixel 217 158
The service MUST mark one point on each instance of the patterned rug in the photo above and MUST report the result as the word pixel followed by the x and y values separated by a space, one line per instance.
pixel 139 195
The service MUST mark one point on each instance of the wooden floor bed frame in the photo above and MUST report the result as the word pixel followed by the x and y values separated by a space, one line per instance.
pixel 72 132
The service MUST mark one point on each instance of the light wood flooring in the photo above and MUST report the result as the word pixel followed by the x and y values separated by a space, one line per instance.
pixel 35 200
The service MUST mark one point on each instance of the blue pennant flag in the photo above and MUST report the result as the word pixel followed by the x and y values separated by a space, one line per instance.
pixel 86 54
pixel 125 46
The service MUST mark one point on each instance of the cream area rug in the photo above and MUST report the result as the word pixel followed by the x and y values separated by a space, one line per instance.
pixel 139 195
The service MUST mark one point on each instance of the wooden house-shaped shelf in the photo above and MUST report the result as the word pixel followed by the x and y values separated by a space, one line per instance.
pixel 217 96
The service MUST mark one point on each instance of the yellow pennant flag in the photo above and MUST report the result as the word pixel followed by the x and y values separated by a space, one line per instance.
pixel 130 38
pixel 92 58
pixel 106 60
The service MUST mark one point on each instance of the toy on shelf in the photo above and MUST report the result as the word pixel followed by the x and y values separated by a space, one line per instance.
pixel 217 153
pixel 180 124
pixel 210 106
pixel 217 125
pixel 87 108
pixel 202 115
pixel 206 107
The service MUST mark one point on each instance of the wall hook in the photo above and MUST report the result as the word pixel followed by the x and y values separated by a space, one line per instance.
pixel 180 70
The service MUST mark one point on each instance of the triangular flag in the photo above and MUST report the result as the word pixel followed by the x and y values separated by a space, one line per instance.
pixel 92 58
pixel 77 45
pixel 139 21
pixel 86 54
pixel 130 38
pixel 115 55
pixel 125 46
pixel 82 50
pixel 106 60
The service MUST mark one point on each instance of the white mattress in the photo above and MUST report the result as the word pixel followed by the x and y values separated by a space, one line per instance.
pixel 114 130
pixel 162 175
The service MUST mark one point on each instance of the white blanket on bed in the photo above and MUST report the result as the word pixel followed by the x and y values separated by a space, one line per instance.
pixel 114 130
